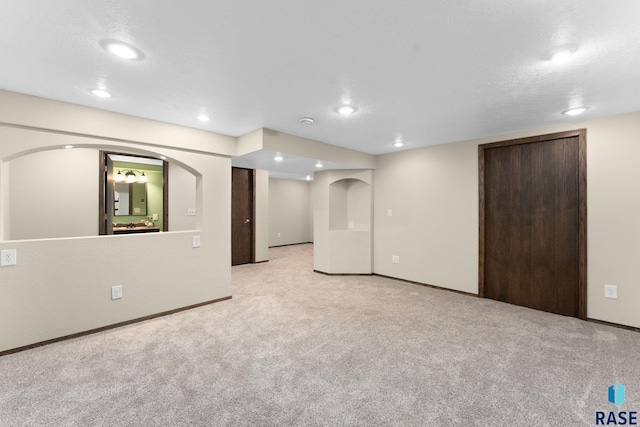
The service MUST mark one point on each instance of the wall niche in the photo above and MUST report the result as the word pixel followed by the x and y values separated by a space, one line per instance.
pixel 348 205
pixel 343 206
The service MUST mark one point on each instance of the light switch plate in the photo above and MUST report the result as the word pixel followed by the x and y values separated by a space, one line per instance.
pixel 116 292
pixel 8 257
pixel 395 259
pixel 196 241
pixel 611 291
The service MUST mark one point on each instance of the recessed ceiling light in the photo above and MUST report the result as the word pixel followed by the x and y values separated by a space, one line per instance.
pixel 561 53
pixel 306 121
pixel 68 146
pixel 398 144
pixel 346 110
pixel 575 111
pixel 121 49
pixel 308 177
pixel 203 118
pixel 101 93
pixel 163 157
pixel 319 164
pixel 278 158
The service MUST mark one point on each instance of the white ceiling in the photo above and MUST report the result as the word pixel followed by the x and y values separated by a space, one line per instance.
pixel 429 72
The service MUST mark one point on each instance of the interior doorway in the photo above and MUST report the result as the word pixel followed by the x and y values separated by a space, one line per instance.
pixel 533 222
pixel 242 216
pixel 133 193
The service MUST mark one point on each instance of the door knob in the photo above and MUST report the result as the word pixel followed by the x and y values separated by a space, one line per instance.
pixel 246 221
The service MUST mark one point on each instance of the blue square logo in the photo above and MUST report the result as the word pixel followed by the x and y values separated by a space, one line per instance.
pixel 616 394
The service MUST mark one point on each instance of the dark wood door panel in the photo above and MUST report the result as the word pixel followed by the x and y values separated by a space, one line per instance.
pixel 531 224
pixel 555 227
pixel 508 246
pixel 242 216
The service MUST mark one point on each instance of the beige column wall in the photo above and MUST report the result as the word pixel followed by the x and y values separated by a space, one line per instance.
pixel 262 215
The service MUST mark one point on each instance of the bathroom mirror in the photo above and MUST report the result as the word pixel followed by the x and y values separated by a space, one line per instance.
pixel 129 198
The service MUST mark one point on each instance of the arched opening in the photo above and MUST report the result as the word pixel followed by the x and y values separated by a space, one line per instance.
pixel 53 192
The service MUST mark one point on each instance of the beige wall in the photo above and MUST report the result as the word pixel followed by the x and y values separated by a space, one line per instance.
pixel 262 215
pixel 40 113
pixel 53 193
pixel 289 212
pixel 433 195
pixel 62 286
pixel 182 197
pixel 613 218
pixel 249 142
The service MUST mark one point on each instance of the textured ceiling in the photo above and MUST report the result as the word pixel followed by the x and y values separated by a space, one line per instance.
pixel 429 72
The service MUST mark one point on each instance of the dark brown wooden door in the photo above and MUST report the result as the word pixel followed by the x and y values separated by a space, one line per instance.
pixel 533 228
pixel 242 216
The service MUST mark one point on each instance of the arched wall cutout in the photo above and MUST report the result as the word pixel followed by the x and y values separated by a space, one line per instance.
pixel 106 147
pixel 347 180
pixel 42 200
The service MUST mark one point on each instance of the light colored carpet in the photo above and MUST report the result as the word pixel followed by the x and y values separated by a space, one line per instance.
pixel 295 347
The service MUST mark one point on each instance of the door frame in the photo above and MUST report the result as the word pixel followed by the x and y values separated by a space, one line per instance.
pixel 252 181
pixel 581 134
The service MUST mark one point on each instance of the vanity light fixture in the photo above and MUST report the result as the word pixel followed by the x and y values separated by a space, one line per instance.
pixel 319 164
pixel 121 49
pixel 347 110
pixel 575 111
pixel 101 93
pixel 130 176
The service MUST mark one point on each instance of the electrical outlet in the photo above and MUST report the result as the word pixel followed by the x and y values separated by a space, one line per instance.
pixel 611 291
pixel 116 292
pixel 8 257
pixel 155 217
pixel 191 212
pixel 196 241
pixel 389 213
pixel 279 235
pixel 395 259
